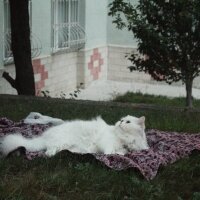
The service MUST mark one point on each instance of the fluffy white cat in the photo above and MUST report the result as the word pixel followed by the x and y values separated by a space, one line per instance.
pixel 93 136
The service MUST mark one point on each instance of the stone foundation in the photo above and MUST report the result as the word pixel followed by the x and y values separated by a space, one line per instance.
pixel 62 72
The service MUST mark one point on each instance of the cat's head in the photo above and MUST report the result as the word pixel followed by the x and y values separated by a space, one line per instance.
pixel 131 124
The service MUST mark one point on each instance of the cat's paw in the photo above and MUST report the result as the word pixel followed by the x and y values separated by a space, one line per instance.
pixel 50 152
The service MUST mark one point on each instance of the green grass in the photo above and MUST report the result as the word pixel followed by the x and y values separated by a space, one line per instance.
pixel 68 176
pixel 156 100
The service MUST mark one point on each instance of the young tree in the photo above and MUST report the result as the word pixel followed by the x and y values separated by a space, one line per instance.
pixel 21 48
pixel 168 35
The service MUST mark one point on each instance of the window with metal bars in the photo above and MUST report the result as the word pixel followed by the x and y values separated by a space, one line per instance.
pixel 35 42
pixel 67 31
pixel 7 54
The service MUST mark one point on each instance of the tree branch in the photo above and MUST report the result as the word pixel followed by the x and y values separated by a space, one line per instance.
pixel 12 82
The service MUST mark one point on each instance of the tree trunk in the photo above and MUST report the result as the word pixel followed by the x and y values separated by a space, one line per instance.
pixel 189 93
pixel 21 47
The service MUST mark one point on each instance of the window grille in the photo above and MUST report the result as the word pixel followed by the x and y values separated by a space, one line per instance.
pixel 7 33
pixel 67 32
pixel 35 42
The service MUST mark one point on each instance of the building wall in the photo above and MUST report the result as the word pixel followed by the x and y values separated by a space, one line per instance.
pixel 53 75
pixel 102 58
pixel 41 25
pixel 118 65
pixel 120 43
pixel 119 37
pixel 118 68
pixel 94 67
pixel 95 23
pixel 62 73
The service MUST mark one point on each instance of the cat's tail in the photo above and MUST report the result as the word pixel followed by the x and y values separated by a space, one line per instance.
pixel 12 142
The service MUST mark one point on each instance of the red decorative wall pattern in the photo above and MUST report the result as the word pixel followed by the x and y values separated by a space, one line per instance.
pixel 39 68
pixel 95 64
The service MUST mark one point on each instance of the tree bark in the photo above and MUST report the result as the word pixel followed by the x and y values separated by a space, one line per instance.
pixel 189 99
pixel 21 47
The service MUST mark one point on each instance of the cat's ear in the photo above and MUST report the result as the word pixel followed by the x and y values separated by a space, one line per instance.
pixel 141 121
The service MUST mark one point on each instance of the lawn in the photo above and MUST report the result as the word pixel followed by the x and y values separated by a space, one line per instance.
pixel 156 100
pixel 67 176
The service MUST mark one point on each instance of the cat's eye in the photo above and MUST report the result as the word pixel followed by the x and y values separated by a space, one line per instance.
pixel 128 122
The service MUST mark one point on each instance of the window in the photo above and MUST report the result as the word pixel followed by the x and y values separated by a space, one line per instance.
pixel 7 54
pixel 35 42
pixel 67 32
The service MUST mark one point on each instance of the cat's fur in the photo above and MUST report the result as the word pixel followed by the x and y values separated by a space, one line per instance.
pixel 94 136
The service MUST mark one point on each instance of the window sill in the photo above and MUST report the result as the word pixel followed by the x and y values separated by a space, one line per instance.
pixel 66 50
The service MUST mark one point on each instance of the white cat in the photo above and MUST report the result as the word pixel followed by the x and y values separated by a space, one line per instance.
pixel 94 136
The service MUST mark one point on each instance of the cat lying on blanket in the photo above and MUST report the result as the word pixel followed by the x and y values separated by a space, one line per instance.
pixel 93 136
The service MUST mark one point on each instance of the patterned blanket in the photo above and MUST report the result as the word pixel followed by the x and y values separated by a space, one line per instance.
pixel 165 148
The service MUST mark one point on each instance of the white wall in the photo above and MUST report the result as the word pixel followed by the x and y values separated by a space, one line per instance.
pixel 118 66
pixel 96 23
pixel 119 37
